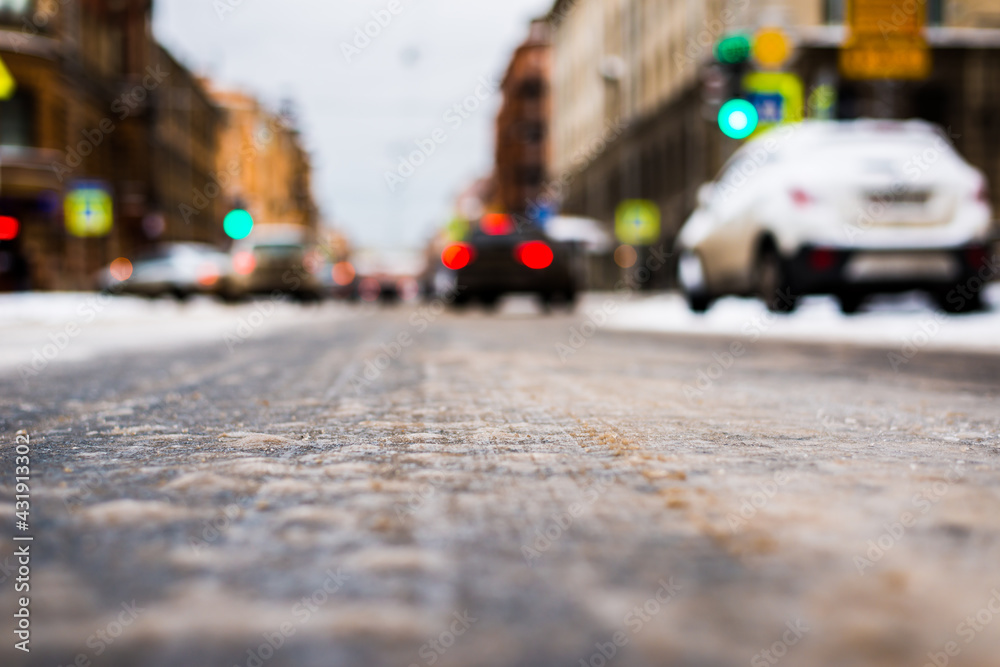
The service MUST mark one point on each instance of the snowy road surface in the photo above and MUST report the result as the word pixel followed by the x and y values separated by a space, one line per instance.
pixel 346 486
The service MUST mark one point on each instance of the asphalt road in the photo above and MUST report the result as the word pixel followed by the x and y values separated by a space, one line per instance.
pixel 400 488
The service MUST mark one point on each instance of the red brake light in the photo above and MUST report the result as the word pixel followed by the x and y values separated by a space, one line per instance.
pixel 457 256
pixel 534 255
pixel 208 275
pixel 822 259
pixel 496 224
pixel 343 273
pixel 800 197
pixel 244 263
pixel 9 227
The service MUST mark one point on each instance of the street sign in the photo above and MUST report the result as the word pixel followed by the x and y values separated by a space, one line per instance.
pixel 777 96
pixel 885 60
pixel 885 40
pixel 88 209
pixel 7 83
pixel 637 222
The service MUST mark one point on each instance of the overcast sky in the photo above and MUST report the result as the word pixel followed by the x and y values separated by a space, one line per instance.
pixel 359 118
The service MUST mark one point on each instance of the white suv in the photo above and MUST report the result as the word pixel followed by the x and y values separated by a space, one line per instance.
pixel 848 208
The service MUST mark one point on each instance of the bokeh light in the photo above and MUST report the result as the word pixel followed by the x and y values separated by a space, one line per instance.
pixel 121 269
pixel 244 263
pixel 626 256
pixel 9 227
pixel 457 256
pixel 238 224
pixel 343 273
pixel 738 119
pixel 535 255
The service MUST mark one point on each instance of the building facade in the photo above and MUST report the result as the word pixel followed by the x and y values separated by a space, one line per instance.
pixel 522 125
pixel 262 165
pixel 631 117
pixel 98 105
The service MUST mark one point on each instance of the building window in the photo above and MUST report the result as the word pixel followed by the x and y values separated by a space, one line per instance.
pixel 17 120
pixel 935 12
pixel 12 11
pixel 836 11
pixel 532 88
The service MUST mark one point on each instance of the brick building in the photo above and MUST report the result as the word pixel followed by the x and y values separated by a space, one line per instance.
pixel 522 126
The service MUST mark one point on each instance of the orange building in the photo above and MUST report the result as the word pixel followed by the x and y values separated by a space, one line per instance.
pixel 261 164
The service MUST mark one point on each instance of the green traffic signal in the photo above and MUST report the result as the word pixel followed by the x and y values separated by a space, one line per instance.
pixel 738 119
pixel 238 224
pixel 733 49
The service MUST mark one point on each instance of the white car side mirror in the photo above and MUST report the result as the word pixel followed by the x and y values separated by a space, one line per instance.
pixel 705 193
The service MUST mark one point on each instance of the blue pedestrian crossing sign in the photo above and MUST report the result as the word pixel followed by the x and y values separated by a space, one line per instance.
pixel 637 222
pixel 88 210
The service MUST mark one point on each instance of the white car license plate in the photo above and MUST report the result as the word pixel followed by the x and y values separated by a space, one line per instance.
pixel 899 266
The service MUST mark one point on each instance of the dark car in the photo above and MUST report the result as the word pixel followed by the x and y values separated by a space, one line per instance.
pixel 275 258
pixel 499 257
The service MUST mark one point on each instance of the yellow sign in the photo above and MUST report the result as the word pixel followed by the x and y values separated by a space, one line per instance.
pixel 89 211
pixel 885 61
pixel 777 96
pixel 637 222
pixel 7 83
pixel 885 40
pixel 771 48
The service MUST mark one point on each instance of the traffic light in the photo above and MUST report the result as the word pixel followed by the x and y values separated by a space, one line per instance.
pixel 733 54
pixel 738 119
pixel 9 227
pixel 238 224
pixel 733 49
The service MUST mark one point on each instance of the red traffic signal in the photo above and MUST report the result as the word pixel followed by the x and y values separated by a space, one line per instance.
pixel 9 228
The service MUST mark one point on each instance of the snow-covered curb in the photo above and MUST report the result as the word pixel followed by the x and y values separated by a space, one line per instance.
pixel 889 323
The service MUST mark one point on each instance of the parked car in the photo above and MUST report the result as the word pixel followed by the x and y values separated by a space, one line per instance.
pixel 848 208
pixel 499 258
pixel 168 269
pixel 275 259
